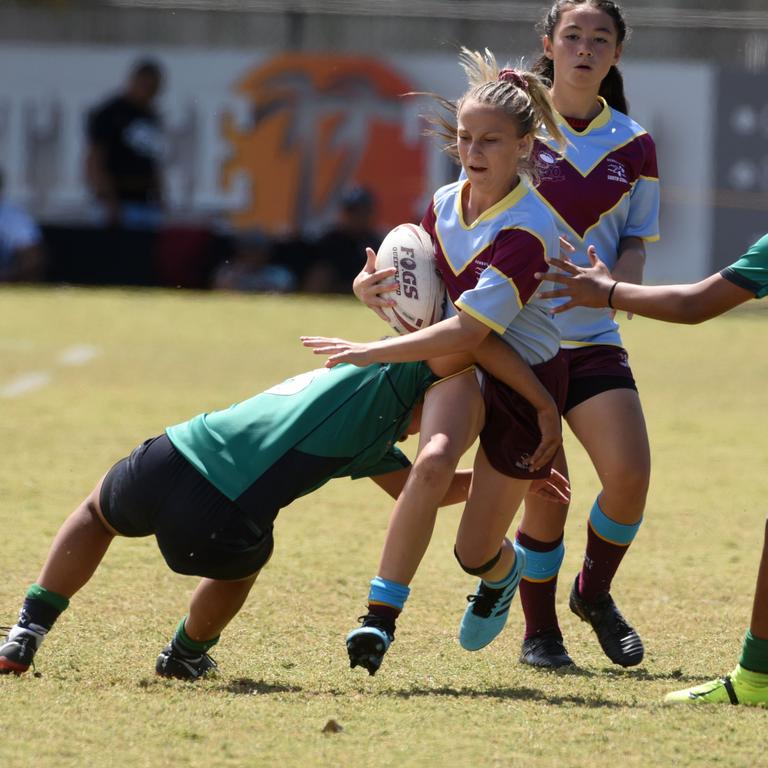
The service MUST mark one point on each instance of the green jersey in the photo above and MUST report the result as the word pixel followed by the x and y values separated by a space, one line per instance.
pixel 345 419
pixel 751 270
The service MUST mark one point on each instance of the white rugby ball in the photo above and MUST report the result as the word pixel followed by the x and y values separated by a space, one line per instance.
pixel 421 292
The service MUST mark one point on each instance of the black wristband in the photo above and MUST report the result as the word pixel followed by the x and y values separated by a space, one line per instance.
pixel 610 293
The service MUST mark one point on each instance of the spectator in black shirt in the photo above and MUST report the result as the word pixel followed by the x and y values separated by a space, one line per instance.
pixel 125 148
pixel 340 252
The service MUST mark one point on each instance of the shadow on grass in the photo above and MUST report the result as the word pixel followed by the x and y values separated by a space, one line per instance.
pixel 675 676
pixel 240 685
pixel 507 694
pixel 245 685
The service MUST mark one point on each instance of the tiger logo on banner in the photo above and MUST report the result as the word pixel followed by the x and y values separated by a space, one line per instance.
pixel 318 125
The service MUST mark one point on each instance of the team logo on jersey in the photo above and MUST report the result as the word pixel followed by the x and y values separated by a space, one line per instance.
pixel 320 123
pixel 479 266
pixel 547 166
pixel 616 171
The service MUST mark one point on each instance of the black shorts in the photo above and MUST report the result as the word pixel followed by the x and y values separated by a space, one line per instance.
pixel 199 530
pixel 595 369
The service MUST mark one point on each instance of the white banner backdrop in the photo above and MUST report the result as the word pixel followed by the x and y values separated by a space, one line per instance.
pixel 204 106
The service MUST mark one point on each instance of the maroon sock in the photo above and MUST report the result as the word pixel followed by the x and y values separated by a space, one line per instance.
pixel 601 561
pixel 538 597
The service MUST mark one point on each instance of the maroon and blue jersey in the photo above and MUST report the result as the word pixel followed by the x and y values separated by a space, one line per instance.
pixel 604 187
pixel 488 265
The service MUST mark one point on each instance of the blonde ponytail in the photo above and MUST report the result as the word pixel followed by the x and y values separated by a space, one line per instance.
pixel 520 94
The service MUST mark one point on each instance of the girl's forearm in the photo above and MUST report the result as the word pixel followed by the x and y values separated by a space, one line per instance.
pixel 447 337
pixel 503 363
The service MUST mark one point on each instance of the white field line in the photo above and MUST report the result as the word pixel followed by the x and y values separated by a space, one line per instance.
pixel 79 354
pixel 26 382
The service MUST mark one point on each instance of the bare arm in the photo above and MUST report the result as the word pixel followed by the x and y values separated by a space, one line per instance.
pixel 687 303
pixel 502 362
pixel 459 334
pixel 692 303
pixel 394 482
pixel 631 261
pixel 455 337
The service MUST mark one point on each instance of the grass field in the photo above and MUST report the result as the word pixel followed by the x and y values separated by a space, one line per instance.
pixel 134 362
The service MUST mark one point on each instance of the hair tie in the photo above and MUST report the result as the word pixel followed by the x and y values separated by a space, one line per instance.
pixel 515 77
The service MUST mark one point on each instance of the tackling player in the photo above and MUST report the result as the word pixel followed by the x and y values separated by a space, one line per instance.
pixel 209 490
pixel 745 279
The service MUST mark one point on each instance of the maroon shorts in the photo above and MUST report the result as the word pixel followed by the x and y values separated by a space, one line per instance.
pixel 511 432
pixel 595 369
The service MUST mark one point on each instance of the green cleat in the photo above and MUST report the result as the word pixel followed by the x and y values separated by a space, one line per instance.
pixel 740 687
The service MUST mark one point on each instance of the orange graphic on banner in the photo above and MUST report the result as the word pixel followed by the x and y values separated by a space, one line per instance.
pixel 320 124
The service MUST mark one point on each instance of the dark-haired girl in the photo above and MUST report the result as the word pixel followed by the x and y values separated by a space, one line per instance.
pixel 603 192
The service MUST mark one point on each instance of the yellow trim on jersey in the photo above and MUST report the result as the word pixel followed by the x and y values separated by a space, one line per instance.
pixel 583 237
pixel 647 178
pixel 474 255
pixel 510 281
pixel 510 199
pixel 469 368
pixel 650 238
pixel 569 344
pixel 494 326
pixel 469 260
pixel 598 121
pixel 552 145
pixel 532 232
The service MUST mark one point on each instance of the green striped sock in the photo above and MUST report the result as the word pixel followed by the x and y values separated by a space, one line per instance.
pixel 59 602
pixel 186 643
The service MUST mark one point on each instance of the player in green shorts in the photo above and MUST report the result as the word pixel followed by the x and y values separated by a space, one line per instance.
pixel 745 279
pixel 209 490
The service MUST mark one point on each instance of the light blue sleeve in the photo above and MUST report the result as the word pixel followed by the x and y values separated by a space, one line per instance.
pixel 644 202
pixel 494 301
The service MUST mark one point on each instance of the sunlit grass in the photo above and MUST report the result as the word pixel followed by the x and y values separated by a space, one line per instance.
pixel 163 357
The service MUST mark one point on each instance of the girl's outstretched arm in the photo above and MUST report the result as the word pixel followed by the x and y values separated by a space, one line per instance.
pixel 687 303
pixel 461 333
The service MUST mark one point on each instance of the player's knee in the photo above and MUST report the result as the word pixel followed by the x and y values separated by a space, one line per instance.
pixel 629 483
pixel 475 563
pixel 436 463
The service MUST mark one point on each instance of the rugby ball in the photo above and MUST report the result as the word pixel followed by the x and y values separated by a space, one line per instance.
pixel 420 294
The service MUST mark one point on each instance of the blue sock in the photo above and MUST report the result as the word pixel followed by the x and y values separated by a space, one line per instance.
pixel 389 593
